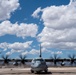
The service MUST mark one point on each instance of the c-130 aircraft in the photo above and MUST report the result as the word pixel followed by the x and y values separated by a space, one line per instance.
pixel 39 64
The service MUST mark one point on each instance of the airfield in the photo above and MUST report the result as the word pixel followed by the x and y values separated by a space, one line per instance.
pixel 51 71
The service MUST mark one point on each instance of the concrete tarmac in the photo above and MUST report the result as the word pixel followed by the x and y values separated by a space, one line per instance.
pixel 51 71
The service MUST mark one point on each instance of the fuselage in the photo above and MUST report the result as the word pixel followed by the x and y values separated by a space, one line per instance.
pixel 38 64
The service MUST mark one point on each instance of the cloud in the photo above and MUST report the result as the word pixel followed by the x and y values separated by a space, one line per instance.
pixel 20 46
pixel 44 50
pixel 25 53
pixel 8 53
pixel 7 7
pixel 59 27
pixel 32 51
pixel 36 13
pixel 15 47
pixel 23 48
pixel 4 46
pixel 57 35
pixel 58 52
pixel 59 17
pixel 72 2
pixel 20 30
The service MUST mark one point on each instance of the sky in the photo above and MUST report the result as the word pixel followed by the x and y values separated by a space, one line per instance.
pixel 25 24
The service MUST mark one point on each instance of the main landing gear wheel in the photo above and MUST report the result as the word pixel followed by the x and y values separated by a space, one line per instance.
pixel 32 71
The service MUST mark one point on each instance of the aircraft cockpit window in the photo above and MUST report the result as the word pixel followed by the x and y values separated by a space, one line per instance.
pixel 39 60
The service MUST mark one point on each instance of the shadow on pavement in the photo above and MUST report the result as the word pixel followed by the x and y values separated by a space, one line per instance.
pixel 44 73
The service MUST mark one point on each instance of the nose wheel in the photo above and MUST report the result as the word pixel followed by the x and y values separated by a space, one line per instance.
pixel 32 71
pixel 46 71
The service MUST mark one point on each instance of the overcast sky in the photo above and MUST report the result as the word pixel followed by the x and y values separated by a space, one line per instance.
pixel 25 24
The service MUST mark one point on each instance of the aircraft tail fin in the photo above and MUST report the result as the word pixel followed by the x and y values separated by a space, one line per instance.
pixel 40 51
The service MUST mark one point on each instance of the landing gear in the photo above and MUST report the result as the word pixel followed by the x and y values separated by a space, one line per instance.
pixel 32 71
pixel 46 71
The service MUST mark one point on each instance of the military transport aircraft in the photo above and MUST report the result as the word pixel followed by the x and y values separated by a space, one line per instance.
pixel 38 64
